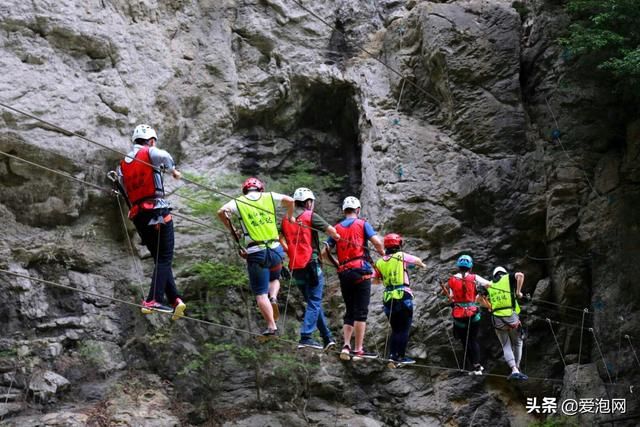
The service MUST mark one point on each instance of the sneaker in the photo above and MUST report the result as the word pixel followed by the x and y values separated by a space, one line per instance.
pixel 477 370
pixel 361 355
pixel 345 354
pixel 309 342
pixel 406 361
pixel 276 310
pixel 178 309
pixel 329 344
pixel 518 376
pixel 269 332
pixel 149 307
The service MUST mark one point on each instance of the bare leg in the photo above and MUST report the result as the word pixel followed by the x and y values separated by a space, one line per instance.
pixel 359 328
pixel 264 305
pixel 274 288
pixel 347 331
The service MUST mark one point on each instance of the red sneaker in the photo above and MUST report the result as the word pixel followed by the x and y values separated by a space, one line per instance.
pixel 149 307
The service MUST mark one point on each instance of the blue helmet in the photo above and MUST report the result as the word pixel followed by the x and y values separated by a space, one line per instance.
pixel 465 261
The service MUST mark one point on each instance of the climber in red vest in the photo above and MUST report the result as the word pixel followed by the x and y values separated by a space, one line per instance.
pixel 355 272
pixel 462 293
pixel 302 244
pixel 140 175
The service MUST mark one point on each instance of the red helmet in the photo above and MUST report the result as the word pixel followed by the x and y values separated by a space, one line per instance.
pixel 252 182
pixel 392 240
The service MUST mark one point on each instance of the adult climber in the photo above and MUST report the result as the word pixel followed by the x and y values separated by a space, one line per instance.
pixel 505 315
pixel 397 297
pixel 461 291
pixel 302 244
pixel 354 272
pixel 140 176
pixel 257 212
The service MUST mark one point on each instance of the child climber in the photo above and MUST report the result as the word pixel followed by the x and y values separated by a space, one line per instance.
pixel 391 270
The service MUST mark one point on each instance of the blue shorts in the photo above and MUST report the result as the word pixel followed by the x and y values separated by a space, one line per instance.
pixel 263 267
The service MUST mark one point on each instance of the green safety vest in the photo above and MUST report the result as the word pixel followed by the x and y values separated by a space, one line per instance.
pixel 392 272
pixel 259 217
pixel 503 303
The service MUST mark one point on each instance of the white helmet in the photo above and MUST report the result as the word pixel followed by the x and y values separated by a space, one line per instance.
pixel 350 203
pixel 143 132
pixel 301 194
pixel 499 270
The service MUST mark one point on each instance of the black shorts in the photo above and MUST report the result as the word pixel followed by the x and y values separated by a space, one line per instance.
pixel 356 294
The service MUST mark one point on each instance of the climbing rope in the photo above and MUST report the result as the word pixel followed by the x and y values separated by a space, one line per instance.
pixel 586 310
pixel 619 347
pixel 453 350
pixel 604 362
pixel 155 168
pixel 388 332
pixel 293 260
pixel 574 255
pixel 464 358
pixel 366 51
pixel 557 137
pixel 155 263
pixel 6 396
pixel 189 219
pixel 556 340
pixel 248 332
pixel 97 187
pixel 134 261
pixel 633 349
pixel 200 185
pixel 67 175
pixel 404 80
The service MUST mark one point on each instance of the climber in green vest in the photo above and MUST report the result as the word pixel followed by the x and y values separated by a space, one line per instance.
pixel 397 297
pixel 264 255
pixel 503 305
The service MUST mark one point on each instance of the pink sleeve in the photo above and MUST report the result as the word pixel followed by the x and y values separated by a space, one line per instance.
pixel 410 259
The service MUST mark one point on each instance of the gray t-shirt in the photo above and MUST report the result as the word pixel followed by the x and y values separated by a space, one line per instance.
pixel 160 159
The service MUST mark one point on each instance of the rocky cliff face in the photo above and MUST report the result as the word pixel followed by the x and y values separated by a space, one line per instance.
pixel 455 153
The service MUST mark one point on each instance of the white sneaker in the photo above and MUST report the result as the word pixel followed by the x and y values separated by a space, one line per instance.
pixel 477 370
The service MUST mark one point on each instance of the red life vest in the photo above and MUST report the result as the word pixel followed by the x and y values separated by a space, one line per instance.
pixel 350 247
pixel 464 292
pixel 464 289
pixel 299 239
pixel 139 183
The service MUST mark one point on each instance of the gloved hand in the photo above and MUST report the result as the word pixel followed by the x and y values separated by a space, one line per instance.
pixel 285 273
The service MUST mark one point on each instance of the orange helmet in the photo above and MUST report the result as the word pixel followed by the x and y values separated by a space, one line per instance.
pixel 250 183
pixel 392 240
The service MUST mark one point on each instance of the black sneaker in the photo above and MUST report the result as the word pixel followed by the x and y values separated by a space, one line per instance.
pixel 362 354
pixel 309 342
pixel 345 354
pixel 329 344
pixel 269 332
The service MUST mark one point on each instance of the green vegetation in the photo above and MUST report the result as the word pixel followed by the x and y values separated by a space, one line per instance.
pixel 205 203
pixel 284 376
pixel 604 34
pixel 213 274
pixel 556 421
pixel 10 353
pixel 91 353
pixel 521 8
pixel 207 281
pixel 305 174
